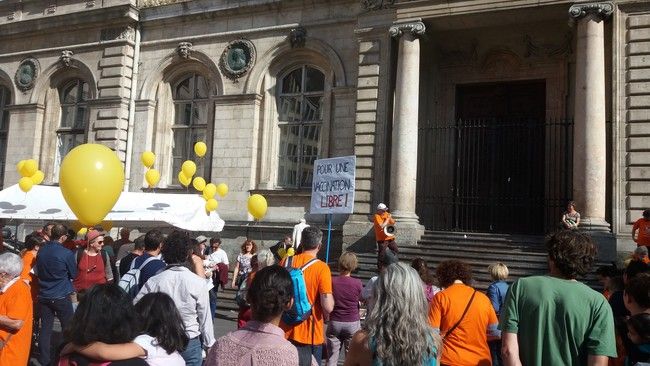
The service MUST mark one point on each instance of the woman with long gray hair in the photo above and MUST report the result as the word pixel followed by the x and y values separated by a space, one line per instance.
pixel 397 331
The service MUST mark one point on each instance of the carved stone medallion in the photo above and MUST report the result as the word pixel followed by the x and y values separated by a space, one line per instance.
pixel 27 73
pixel 237 59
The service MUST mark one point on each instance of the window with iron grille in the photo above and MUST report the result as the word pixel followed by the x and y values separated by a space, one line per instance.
pixel 192 113
pixel 4 129
pixel 300 118
pixel 71 133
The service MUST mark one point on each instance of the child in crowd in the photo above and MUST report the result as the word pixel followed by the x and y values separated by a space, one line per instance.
pixel 638 329
pixel 641 254
pixel 496 292
pixel 427 278
pixel 162 336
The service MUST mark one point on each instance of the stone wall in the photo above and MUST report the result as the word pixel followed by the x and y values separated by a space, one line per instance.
pixel 634 113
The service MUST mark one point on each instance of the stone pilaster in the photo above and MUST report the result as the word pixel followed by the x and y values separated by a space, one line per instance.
pixel 589 146
pixel 404 152
pixel 110 118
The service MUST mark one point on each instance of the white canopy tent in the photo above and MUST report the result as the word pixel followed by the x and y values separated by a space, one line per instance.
pixel 46 203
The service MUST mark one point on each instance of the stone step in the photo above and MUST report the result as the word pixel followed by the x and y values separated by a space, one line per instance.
pixel 487 244
pixel 454 252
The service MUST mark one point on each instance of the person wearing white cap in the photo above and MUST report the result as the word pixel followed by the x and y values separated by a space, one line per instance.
pixel 382 220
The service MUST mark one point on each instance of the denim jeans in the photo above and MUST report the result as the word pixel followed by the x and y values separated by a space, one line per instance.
pixel 495 351
pixel 48 309
pixel 306 351
pixel 192 353
pixel 213 302
pixel 337 333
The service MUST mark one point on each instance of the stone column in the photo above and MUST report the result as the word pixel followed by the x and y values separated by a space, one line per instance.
pixel 404 152
pixel 589 142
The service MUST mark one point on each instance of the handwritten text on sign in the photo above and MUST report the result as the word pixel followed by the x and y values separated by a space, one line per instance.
pixel 333 186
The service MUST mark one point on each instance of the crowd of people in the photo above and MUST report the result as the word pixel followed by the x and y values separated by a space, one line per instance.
pixel 153 301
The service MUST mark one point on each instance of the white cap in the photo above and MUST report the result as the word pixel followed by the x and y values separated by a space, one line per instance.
pixel 382 207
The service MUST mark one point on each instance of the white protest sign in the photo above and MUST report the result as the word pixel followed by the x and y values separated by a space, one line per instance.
pixel 333 186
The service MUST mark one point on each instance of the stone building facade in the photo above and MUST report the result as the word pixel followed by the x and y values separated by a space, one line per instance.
pixel 463 115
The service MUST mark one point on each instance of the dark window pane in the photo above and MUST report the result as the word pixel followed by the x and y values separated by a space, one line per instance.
pixel 289 109
pixel 200 114
pixel 80 120
pixel 85 91
pixel 313 110
pixel 67 116
pixel 202 88
pixel 70 94
pixel 292 83
pixel 184 90
pixel 183 113
pixel 314 80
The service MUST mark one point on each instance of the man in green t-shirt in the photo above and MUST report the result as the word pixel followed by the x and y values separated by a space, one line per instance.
pixel 554 319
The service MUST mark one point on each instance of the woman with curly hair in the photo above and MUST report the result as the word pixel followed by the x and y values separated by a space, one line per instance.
pixel 396 332
pixel 463 316
pixel 243 265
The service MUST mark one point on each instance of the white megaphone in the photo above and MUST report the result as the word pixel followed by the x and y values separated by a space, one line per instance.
pixel 389 230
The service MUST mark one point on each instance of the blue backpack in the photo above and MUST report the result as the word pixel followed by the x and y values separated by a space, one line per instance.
pixel 301 309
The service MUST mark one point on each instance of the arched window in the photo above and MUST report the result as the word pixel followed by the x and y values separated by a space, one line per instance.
pixel 192 115
pixel 300 118
pixel 74 97
pixel 4 129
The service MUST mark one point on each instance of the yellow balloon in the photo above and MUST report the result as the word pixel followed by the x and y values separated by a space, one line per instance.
pixel 200 148
pixel 185 181
pixel 91 181
pixel 106 225
pixel 38 177
pixel 25 184
pixel 29 168
pixel 152 176
pixel 209 191
pixel 148 158
pixel 211 205
pixel 291 252
pixel 20 165
pixel 199 184
pixel 188 168
pixel 83 231
pixel 222 189
pixel 257 206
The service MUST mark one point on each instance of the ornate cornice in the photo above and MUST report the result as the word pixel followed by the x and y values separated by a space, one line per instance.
pixel 376 4
pixel 602 9
pixel 416 28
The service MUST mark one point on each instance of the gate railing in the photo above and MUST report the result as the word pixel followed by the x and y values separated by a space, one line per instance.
pixel 510 175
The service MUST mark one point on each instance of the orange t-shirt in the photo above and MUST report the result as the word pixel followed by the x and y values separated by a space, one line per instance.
pixel 467 344
pixel 318 280
pixel 16 303
pixel 29 259
pixel 380 235
pixel 643 236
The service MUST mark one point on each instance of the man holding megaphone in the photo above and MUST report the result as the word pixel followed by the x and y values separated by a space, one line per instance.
pixel 384 230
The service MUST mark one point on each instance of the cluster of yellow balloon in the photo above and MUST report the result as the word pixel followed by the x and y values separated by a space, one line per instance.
pixel 257 206
pixel 30 175
pixel 188 169
pixel 208 191
pixel 91 181
pixel 152 176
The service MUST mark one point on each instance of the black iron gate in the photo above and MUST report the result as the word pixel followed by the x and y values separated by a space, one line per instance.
pixel 507 175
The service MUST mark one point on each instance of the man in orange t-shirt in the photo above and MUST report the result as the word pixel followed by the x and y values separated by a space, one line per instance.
pixel 16 312
pixel 309 336
pixel 643 226
pixel 381 220
pixel 466 344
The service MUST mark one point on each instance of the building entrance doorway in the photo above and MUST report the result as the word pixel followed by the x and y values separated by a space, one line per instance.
pixel 489 170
